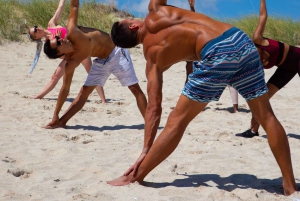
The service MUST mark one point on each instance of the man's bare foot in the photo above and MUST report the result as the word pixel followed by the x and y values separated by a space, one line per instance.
pixel 122 181
pixel 235 108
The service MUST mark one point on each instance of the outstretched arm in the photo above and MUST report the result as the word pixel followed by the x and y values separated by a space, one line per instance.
pixel 263 15
pixel 73 17
pixel 54 20
pixel 189 64
pixel 192 5
pixel 64 91
pixel 59 72
pixel 154 4
pixel 152 114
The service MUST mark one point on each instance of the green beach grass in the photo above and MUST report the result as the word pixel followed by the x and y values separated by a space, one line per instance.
pixel 13 14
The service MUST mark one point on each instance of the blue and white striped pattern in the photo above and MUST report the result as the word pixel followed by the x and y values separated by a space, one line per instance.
pixel 231 59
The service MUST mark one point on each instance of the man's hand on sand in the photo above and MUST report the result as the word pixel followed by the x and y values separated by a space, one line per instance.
pixel 133 169
pixel 55 123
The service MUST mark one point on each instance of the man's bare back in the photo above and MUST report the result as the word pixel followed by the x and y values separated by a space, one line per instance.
pixel 170 29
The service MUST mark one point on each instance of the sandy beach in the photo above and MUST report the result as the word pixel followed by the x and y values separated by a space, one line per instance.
pixel 103 140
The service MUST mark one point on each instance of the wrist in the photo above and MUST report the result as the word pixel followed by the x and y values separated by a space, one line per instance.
pixel 145 150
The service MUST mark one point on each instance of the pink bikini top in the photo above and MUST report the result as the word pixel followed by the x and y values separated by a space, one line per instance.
pixel 275 50
pixel 53 31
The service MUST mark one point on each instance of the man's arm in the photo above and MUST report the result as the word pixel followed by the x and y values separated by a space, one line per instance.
pixel 64 91
pixel 153 112
pixel 192 5
pixel 54 20
pixel 154 4
pixel 154 109
pixel 73 17
pixel 189 64
pixel 263 16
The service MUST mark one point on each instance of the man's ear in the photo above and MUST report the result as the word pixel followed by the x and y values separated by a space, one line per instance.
pixel 133 27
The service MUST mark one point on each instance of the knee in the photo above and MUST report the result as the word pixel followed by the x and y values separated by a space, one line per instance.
pixel 135 89
pixel 176 122
pixel 266 117
pixel 86 91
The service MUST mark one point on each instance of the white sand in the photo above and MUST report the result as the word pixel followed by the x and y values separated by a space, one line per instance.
pixel 103 140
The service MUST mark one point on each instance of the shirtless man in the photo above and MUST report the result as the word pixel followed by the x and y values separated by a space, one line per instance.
pixel 110 60
pixel 228 56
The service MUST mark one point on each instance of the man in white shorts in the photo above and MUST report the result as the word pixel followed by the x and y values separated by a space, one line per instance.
pixel 110 60
pixel 120 65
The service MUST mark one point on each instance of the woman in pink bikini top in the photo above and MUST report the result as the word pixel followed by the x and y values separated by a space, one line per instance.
pixel 36 33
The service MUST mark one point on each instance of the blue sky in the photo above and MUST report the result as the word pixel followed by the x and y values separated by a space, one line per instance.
pixel 220 8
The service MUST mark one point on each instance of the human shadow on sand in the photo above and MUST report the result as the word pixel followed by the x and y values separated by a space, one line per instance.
pixel 230 183
pixel 108 128
pixel 292 135
pixel 230 109
pixel 289 135
pixel 88 101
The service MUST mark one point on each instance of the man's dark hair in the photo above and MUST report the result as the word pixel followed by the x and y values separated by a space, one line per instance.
pixel 122 36
pixel 50 52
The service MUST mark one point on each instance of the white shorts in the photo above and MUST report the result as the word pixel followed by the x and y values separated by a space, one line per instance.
pixel 117 63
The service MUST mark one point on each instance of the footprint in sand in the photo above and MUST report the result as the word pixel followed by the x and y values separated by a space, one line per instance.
pixel 78 138
pixel 9 160
pixel 19 173
pixel 14 92
pixel 89 109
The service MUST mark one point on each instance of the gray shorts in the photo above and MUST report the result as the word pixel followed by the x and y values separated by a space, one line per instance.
pixel 118 63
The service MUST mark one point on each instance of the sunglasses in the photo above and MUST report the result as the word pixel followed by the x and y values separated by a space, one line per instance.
pixel 35 28
pixel 30 36
pixel 57 40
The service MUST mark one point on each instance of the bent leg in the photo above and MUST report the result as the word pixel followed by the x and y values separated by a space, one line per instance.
pixel 59 72
pixel 87 63
pixel 277 139
pixel 184 112
pixel 140 98
pixel 278 80
pixel 254 125
pixel 77 104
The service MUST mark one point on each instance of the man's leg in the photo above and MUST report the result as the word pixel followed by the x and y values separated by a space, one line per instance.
pixel 254 126
pixel 76 105
pixel 87 63
pixel 277 139
pixel 278 80
pixel 167 141
pixel 140 98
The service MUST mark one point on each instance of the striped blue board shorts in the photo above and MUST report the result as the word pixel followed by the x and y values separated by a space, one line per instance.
pixel 230 59
pixel 118 63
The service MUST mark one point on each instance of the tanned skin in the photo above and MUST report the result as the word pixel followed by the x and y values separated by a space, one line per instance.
pixel 159 34
pixel 78 46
